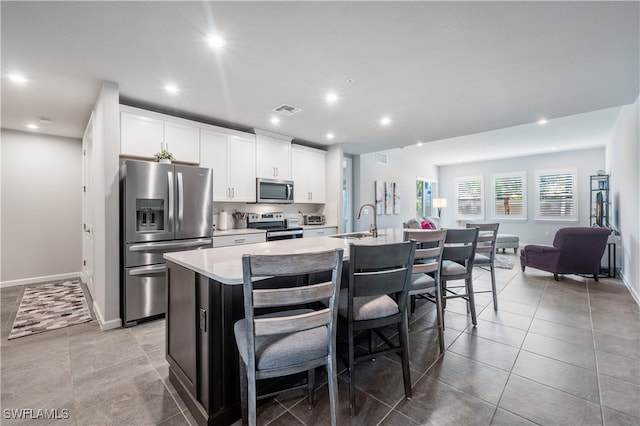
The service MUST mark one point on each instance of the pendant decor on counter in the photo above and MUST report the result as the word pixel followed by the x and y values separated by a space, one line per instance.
pixel 387 197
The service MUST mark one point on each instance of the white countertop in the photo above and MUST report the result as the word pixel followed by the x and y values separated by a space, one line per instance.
pixel 224 264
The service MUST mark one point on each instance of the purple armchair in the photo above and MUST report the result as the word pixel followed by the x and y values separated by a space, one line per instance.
pixel 574 251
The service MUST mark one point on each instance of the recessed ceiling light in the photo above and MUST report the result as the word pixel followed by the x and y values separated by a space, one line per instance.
pixel 385 121
pixel 275 120
pixel 331 97
pixel 32 126
pixel 216 41
pixel 553 148
pixel 330 136
pixel 419 144
pixel 17 78
pixel 542 121
pixel 171 88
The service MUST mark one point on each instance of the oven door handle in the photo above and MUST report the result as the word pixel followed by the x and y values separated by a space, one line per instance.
pixel 284 233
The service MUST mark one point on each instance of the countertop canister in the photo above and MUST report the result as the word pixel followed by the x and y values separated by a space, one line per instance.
pixel 223 221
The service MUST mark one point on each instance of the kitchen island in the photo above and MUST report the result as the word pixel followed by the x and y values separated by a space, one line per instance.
pixel 204 300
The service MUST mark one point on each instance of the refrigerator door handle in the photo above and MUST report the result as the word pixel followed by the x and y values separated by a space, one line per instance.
pixel 170 186
pixel 170 245
pixel 147 270
pixel 180 201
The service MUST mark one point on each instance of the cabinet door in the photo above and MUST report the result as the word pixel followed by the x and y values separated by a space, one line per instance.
pixel 320 232
pixel 241 165
pixel 301 176
pixel 183 141
pixel 140 136
pixel 309 175
pixel 273 157
pixel 214 155
pixel 317 176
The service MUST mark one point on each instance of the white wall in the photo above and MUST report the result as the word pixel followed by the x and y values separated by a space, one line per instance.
pixel 105 170
pixel 403 166
pixel 623 160
pixel 41 207
pixel 530 231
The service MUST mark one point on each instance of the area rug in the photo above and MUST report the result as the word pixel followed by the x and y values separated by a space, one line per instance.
pixel 50 306
pixel 504 261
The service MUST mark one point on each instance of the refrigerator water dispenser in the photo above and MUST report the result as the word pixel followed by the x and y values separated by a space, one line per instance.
pixel 149 215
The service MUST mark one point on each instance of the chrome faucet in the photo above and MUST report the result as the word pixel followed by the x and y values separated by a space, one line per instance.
pixel 374 226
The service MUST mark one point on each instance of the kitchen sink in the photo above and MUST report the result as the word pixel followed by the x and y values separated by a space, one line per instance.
pixel 354 235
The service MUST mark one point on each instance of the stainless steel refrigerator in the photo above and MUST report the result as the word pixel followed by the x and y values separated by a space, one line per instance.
pixel 164 208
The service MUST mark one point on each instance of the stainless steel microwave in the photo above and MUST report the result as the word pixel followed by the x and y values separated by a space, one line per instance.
pixel 274 191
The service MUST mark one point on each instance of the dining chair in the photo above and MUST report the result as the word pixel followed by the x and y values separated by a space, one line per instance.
pixel 296 335
pixel 486 254
pixel 425 277
pixel 376 297
pixel 457 264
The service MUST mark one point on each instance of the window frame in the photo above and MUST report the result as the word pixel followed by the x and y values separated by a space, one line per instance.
pixel 497 176
pixel 575 217
pixel 475 178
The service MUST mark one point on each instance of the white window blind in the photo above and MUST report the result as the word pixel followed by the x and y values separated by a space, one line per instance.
pixel 557 195
pixel 509 196
pixel 469 197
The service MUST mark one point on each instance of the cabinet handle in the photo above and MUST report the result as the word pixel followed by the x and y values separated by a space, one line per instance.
pixel 233 193
pixel 239 240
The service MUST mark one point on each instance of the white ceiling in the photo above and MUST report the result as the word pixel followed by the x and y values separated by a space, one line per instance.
pixel 440 70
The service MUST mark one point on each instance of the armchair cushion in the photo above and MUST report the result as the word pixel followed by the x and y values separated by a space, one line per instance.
pixel 576 250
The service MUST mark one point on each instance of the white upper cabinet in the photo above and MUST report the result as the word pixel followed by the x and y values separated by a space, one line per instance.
pixel 182 141
pixel 308 167
pixel 231 155
pixel 273 156
pixel 142 134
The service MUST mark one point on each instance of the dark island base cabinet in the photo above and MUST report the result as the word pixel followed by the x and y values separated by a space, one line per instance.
pixel 201 348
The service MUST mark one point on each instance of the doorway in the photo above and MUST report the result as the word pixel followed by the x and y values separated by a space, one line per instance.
pixel 426 191
pixel 347 194
pixel 88 246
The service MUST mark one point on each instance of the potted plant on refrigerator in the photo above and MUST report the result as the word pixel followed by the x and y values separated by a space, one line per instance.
pixel 164 156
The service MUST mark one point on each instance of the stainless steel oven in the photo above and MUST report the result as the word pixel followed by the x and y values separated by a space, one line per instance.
pixel 275 225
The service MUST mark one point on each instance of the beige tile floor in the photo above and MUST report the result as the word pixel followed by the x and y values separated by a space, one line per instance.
pixel 564 352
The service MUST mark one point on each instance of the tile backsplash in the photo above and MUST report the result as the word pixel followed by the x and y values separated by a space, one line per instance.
pixel 289 210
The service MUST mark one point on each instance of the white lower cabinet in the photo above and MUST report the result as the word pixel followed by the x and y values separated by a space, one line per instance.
pixel 320 232
pixel 238 239
pixel 232 158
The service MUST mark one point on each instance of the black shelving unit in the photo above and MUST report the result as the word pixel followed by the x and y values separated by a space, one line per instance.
pixel 599 213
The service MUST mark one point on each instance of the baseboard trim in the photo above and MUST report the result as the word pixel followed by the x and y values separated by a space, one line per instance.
pixel 635 295
pixel 35 280
pixel 106 325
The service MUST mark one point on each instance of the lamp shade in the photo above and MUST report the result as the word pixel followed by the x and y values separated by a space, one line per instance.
pixel 439 203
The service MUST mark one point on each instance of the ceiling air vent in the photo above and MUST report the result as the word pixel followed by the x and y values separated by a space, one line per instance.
pixel 287 110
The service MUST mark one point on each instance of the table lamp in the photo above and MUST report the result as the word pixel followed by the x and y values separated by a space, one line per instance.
pixel 439 203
